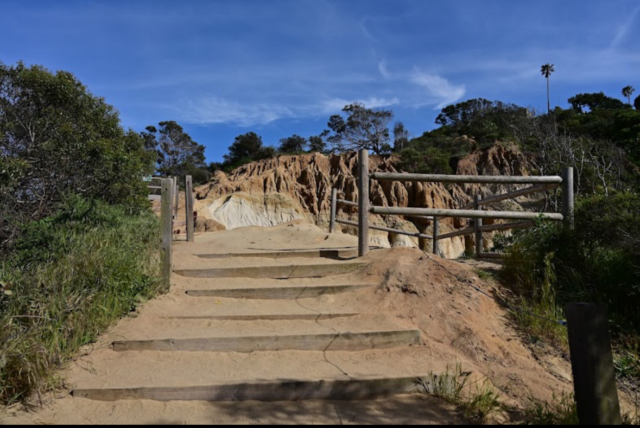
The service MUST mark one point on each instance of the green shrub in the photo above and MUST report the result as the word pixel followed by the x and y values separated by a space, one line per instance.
pixel 69 277
pixel 56 139
pixel 429 161
pixel 598 261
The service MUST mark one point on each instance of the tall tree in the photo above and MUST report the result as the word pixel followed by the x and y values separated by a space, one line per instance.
pixel 57 139
pixel 363 129
pixel 294 144
pixel 546 70
pixel 400 136
pixel 247 148
pixel 317 143
pixel 176 152
pixel 627 91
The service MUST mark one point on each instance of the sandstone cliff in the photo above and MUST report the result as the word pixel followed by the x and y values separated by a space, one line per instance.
pixel 278 190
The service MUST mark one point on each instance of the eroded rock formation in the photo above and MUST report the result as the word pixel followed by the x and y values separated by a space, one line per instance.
pixel 278 190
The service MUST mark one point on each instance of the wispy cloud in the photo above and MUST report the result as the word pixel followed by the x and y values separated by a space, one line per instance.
pixel 382 68
pixel 214 110
pixel 623 30
pixel 337 104
pixel 440 89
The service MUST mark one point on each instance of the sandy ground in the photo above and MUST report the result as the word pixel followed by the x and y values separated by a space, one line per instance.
pixel 407 289
pixel 402 410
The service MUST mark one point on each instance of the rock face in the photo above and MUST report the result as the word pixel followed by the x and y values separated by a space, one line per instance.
pixel 278 190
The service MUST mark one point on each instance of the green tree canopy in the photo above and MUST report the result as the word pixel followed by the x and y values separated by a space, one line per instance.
pixel 317 143
pixel 246 148
pixel 595 101
pixel 485 121
pixel 57 139
pixel 363 129
pixel 293 145
pixel 176 152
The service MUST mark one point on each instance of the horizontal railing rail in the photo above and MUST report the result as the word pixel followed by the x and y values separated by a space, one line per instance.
pixel 387 229
pixel 509 215
pixel 479 179
pixel 347 203
pixel 472 211
pixel 511 195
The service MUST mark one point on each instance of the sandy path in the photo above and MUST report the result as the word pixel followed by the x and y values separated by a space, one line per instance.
pixel 407 290
pixel 179 316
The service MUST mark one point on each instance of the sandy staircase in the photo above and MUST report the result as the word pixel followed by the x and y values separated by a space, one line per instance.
pixel 264 326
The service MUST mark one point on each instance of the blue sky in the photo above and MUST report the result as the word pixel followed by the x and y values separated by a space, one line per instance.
pixel 222 68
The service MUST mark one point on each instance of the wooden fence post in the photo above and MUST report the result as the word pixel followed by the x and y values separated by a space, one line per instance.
pixel 363 203
pixel 436 231
pixel 332 219
pixel 188 203
pixel 568 199
pixel 166 221
pixel 594 378
pixel 477 224
pixel 176 197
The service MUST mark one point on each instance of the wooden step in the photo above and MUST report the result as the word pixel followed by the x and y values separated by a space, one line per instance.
pixel 300 342
pixel 293 292
pixel 286 390
pixel 277 272
pixel 335 254
pixel 267 317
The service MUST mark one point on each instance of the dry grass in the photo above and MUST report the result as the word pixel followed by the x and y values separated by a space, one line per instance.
pixel 479 400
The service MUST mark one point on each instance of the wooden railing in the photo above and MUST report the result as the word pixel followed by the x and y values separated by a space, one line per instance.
pixel 472 211
pixel 589 343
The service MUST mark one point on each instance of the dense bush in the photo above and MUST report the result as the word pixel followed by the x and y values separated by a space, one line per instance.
pixel 70 276
pixel 57 139
pixel 598 261
pixel 429 161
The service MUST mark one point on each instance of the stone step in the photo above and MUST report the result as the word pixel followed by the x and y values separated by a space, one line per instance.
pixel 345 341
pixel 335 254
pixel 285 390
pixel 282 292
pixel 274 271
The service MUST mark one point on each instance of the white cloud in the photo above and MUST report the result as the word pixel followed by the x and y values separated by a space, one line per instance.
pixel 337 104
pixel 442 91
pixel 212 110
pixel 624 29
pixel 382 68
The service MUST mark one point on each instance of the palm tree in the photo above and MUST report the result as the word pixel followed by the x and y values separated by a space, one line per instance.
pixel 546 71
pixel 627 91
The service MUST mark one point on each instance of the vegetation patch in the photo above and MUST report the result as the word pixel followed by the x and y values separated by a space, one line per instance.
pixel 549 266
pixel 71 275
pixel 479 400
